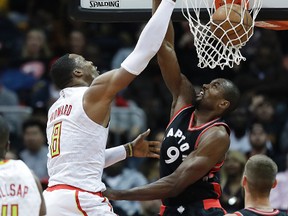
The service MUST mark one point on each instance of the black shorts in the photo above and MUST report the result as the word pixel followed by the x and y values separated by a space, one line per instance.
pixel 202 208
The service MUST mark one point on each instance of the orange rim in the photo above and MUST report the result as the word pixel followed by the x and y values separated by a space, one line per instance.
pixel 273 25
pixel 219 3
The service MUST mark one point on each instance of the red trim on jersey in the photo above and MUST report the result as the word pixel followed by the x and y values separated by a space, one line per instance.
pixel 192 128
pixel 105 200
pixel 3 161
pixel 68 187
pixel 212 203
pixel 274 212
pixel 217 188
pixel 162 210
pixel 238 213
pixel 177 113
pixel 78 203
pixel 219 165
pixel 216 124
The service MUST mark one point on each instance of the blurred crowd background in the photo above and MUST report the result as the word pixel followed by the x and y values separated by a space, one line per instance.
pixel 33 34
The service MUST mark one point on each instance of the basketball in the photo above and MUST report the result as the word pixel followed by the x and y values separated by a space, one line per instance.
pixel 232 24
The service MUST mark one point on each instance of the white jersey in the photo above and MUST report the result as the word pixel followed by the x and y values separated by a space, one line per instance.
pixel 76 144
pixel 19 194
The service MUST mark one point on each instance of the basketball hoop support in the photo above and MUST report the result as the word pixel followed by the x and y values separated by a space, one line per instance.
pixel 76 12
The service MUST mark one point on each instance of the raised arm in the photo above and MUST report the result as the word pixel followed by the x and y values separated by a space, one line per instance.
pixel 105 87
pixel 181 89
pixel 212 148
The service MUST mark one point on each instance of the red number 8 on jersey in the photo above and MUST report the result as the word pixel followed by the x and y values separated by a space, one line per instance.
pixel 55 140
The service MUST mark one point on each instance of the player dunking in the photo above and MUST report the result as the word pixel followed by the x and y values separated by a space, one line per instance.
pixel 20 190
pixel 78 121
pixel 195 143
pixel 258 179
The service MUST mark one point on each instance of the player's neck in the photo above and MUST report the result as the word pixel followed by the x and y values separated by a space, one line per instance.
pixel 257 202
pixel 77 83
pixel 202 117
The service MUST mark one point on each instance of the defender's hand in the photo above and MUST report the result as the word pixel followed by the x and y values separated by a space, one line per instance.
pixel 144 148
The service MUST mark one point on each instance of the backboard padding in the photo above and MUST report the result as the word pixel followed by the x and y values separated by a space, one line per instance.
pixel 140 11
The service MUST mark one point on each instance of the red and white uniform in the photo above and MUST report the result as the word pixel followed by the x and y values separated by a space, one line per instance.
pixel 19 194
pixel 76 158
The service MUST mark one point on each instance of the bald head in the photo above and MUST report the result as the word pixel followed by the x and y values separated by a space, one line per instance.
pixel 4 136
pixel 260 172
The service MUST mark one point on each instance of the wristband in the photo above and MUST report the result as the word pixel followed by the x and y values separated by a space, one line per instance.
pixel 130 148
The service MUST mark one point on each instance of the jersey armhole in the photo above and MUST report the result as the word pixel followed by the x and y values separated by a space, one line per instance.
pixel 177 113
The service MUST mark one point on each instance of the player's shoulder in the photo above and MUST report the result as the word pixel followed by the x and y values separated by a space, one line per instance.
pixel 20 162
pixel 16 162
pixel 21 165
pixel 218 131
pixel 215 136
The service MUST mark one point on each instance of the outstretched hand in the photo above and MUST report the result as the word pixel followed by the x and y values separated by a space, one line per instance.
pixel 145 148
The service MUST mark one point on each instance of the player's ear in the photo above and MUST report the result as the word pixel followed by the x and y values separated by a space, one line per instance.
pixel 275 183
pixel 224 104
pixel 77 73
pixel 244 181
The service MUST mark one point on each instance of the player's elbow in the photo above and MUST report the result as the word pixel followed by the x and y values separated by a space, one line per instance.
pixel 174 190
pixel 165 48
pixel 171 192
pixel 176 186
pixel 169 186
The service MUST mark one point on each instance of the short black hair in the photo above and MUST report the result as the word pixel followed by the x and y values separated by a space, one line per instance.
pixel 34 123
pixel 61 71
pixel 4 134
pixel 232 94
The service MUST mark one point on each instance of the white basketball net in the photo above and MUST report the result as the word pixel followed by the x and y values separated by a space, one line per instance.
pixel 211 50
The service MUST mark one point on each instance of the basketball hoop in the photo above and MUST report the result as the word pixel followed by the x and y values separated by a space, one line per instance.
pixel 272 25
pixel 211 49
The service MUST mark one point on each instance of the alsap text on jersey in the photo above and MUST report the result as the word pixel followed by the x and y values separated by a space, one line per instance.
pixel 13 190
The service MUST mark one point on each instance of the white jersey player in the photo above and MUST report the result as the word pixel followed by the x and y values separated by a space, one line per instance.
pixel 78 124
pixel 20 190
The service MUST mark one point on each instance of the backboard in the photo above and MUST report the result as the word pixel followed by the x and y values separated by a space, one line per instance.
pixel 102 11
